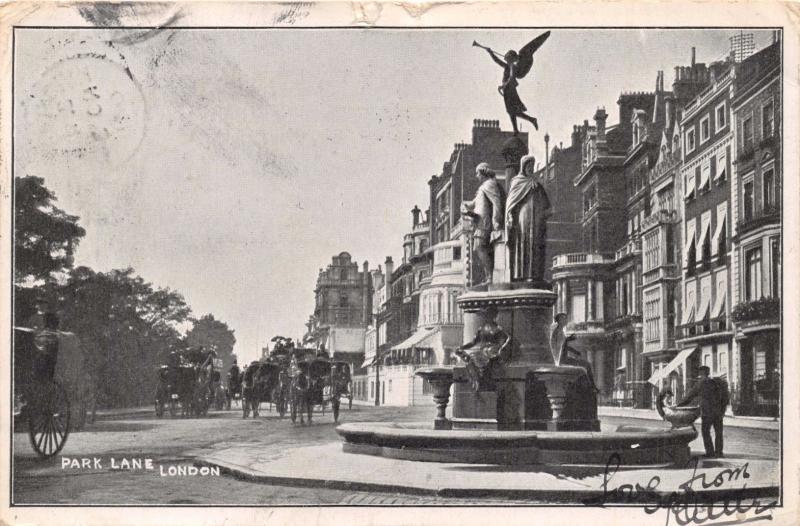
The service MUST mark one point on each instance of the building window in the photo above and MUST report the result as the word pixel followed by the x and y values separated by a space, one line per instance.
pixel 721 115
pixel 747 132
pixel 652 251
pixel 706 252
pixel 760 365
pixel 705 129
pixel 753 274
pixel 722 241
pixel 775 253
pixel 426 387
pixel 747 201
pixel 670 244
pixel 769 189
pixel 690 140
pixel 456 253
pixel 343 300
pixel 652 311
pixel 691 258
pixel 767 120
pixel 372 389
pixel 343 275
pixel 578 308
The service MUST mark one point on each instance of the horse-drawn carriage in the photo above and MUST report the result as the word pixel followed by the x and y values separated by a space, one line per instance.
pixel 317 381
pixel 40 400
pixel 264 382
pixel 191 381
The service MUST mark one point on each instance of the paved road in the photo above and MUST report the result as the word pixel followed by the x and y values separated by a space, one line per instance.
pixel 176 442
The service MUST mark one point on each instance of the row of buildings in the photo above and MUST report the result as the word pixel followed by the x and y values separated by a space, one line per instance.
pixel 664 247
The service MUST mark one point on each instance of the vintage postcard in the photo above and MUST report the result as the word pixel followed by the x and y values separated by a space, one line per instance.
pixel 399 263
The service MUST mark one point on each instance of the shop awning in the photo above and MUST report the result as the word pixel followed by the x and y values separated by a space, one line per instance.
pixel 688 315
pixel 680 359
pixel 721 218
pixel 705 227
pixel 372 360
pixel 705 307
pixel 719 304
pixel 427 338
pixel 720 167
pixel 705 175
pixel 690 182
pixel 688 245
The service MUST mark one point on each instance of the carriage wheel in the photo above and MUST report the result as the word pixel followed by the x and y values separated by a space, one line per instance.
pixel 48 420
pixel 335 406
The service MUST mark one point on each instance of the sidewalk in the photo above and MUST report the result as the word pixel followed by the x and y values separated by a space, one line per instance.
pixel 752 422
pixel 125 411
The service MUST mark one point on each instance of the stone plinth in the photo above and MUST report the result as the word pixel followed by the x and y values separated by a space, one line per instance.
pixel 528 391
pixel 526 314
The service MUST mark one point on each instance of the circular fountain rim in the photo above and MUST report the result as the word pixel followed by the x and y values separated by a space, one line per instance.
pixel 417 441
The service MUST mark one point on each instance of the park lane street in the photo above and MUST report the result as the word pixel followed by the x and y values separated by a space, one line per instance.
pixel 177 442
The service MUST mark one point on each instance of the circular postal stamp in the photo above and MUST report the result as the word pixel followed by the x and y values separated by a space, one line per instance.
pixel 86 105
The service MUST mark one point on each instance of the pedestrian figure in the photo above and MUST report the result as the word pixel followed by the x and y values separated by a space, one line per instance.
pixel 713 394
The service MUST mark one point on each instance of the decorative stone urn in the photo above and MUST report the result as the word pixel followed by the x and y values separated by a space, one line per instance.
pixel 440 378
pixel 678 416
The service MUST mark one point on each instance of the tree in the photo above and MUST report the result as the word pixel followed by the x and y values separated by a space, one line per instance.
pixel 214 335
pixel 45 237
pixel 127 328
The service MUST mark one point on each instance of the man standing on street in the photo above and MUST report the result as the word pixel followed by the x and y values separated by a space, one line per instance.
pixel 713 394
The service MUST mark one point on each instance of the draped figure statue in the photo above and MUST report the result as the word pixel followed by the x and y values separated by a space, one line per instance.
pixel 527 209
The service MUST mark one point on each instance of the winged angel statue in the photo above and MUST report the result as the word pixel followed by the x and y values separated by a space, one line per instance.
pixel 515 66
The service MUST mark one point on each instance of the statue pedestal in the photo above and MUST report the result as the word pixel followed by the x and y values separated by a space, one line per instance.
pixel 528 391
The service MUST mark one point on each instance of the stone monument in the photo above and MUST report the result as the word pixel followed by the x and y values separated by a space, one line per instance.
pixel 512 379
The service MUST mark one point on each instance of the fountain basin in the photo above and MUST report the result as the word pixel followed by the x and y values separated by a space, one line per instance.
pixel 417 441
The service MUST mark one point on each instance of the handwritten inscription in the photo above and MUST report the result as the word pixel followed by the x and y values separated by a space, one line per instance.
pixel 692 503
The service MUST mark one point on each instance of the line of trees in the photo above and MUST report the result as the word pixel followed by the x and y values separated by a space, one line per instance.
pixel 126 325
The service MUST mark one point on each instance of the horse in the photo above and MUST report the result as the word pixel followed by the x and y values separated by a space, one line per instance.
pixel 299 391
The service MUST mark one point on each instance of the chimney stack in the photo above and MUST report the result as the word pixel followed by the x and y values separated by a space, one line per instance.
pixel 600 117
pixel 693 56
pixel 387 282
pixel 415 214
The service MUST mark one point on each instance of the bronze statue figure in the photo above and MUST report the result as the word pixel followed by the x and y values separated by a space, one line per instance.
pixel 486 210
pixel 515 66
pixel 527 209
pixel 491 343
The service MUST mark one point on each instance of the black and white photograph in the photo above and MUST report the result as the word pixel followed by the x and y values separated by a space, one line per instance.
pixel 311 262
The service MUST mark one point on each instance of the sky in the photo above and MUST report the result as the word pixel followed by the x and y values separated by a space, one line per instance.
pixel 231 165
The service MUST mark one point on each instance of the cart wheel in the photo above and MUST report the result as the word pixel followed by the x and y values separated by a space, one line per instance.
pixel 335 406
pixel 48 420
pixel 159 408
